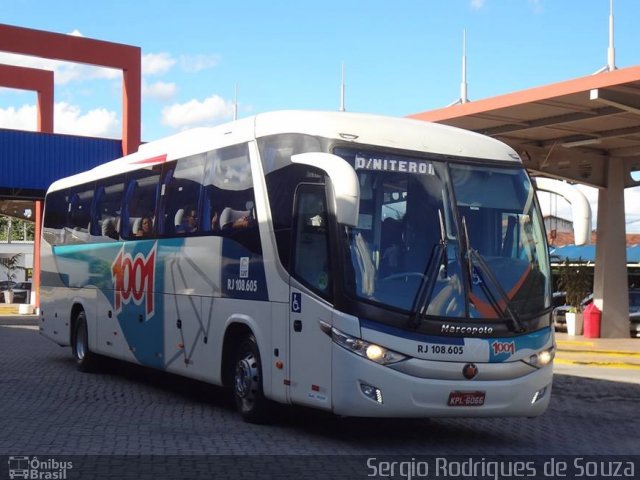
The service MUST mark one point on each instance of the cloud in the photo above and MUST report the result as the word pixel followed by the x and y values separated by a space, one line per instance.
pixel 193 113
pixel 160 90
pixel 98 122
pixel 157 63
pixel 23 118
pixel 64 72
pixel 68 119
pixel 477 4
pixel 197 63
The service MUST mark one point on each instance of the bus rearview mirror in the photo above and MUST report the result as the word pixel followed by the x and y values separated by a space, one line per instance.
pixel 346 189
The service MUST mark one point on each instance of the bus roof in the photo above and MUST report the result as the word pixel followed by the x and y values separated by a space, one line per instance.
pixel 385 131
pixel 357 128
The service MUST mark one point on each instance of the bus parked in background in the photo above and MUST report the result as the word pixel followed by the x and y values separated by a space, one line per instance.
pixel 364 265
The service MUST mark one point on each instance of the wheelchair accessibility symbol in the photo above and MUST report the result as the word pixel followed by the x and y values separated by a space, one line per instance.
pixel 296 302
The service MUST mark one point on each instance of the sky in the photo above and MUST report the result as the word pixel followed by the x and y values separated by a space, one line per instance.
pixel 400 57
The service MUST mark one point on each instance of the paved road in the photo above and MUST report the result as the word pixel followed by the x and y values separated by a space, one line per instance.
pixel 47 407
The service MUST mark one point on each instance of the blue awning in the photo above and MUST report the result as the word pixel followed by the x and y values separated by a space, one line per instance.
pixel 587 253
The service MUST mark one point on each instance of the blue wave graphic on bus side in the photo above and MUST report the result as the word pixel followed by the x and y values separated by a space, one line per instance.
pixel 133 277
pixel 130 275
pixel 138 274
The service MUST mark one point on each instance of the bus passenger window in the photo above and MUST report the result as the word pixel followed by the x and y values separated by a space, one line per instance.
pixel 141 193
pixel 230 218
pixel 186 220
pixel 182 197
pixel 107 205
pixel 54 222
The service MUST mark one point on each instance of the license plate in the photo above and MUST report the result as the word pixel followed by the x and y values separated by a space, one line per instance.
pixel 466 399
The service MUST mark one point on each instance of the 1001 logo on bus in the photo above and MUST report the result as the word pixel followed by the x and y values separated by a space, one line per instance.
pixel 133 280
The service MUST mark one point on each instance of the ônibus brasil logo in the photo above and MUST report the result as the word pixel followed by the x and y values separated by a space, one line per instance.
pixel 133 279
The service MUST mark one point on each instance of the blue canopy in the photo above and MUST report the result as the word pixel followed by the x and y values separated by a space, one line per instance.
pixel 587 253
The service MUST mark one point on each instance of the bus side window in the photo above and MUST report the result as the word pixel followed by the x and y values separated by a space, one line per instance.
pixel 54 221
pixel 140 199
pixel 79 213
pixel 311 242
pixel 108 201
pixel 182 192
pixel 228 207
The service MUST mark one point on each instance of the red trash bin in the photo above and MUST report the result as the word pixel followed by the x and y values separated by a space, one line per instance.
pixel 592 317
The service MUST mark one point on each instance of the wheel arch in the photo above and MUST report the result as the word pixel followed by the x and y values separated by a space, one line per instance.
pixel 76 308
pixel 237 330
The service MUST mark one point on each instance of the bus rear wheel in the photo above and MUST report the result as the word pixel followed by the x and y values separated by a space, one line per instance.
pixel 86 360
pixel 247 382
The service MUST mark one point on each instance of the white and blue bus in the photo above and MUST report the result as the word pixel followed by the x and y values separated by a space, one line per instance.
pixel 363 265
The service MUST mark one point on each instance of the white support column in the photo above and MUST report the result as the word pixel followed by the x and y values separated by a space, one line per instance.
pixel 611 291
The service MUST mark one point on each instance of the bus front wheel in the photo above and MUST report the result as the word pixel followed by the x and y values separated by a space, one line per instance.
pixel 85 359
pixel 247 382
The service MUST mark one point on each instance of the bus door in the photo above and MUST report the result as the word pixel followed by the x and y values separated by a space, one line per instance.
pixel 310 348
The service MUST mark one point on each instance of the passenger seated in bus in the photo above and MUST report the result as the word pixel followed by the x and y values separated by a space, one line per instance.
pixel 109 228
pixel 146 227
pixel 236 219
pixel 189 221
pixel 214 222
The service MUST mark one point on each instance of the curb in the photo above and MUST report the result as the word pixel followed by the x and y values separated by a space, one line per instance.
pixel 20 320
pixel 589 353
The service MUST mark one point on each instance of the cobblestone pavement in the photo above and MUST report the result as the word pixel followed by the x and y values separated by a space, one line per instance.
pixel 47 407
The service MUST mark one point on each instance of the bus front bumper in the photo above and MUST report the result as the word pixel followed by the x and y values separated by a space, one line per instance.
pixel 363 388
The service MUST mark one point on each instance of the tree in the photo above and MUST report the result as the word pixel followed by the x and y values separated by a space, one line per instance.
pixel 575 280
pixel 19 229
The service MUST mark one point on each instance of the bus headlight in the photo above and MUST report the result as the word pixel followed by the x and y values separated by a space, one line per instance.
pixel 370 351
pixel 542 358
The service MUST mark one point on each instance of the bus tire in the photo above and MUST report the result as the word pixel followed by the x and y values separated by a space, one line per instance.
pixel 247 382
pixel 86 360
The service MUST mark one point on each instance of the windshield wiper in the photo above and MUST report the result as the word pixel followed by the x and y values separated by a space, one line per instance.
pixel 436 260
pixel 473 255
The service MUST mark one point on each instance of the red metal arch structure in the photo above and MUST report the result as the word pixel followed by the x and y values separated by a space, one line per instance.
pixel 40 81
pixel 56 46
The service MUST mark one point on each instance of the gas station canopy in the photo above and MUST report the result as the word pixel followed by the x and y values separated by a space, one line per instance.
pixel 565 130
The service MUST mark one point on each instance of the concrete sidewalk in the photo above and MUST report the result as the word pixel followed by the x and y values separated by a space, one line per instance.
pixel 598 351
pixel 604 358
pixel 17 320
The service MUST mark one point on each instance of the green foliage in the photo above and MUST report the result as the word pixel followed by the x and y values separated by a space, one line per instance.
pixel 11 264
pixel 575 280
pixel 20 229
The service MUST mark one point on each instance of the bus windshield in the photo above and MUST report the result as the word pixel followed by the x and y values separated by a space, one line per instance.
pixel 445 239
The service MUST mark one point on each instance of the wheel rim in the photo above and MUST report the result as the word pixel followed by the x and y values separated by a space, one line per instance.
pixel 81 343
pixel 246 380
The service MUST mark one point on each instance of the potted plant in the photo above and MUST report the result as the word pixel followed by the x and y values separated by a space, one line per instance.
pixel 10 264
pixel 575 280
